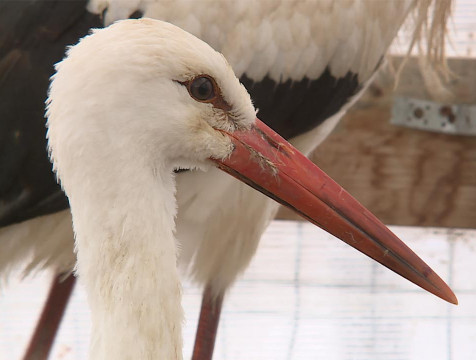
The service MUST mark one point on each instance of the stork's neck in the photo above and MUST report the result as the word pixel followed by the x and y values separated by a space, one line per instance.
pixel 124 224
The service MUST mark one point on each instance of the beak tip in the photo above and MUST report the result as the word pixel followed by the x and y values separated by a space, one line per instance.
pixel 440 287
pixel 452 298
pixel 431 282
pixel 443 291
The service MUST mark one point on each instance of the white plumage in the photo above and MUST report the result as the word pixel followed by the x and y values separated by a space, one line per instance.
pixel 119 122
pixel 285 39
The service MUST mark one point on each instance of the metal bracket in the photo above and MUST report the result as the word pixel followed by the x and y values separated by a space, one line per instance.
pixel 459 119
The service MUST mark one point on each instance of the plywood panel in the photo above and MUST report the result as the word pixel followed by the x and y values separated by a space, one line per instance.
pixel 404 176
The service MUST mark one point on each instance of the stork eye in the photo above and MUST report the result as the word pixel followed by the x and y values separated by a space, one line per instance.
pixel 202 88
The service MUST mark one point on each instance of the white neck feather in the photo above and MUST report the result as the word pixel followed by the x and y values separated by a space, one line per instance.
pixel 127 261
pixel 119 121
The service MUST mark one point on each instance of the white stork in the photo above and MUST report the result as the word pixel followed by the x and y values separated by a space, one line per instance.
pixel 304 63
pixel 127 106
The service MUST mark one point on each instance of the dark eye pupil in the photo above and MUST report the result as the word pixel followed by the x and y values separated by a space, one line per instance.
pixel 202 88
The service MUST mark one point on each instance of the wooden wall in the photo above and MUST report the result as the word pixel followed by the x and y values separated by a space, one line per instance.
pixel 404 176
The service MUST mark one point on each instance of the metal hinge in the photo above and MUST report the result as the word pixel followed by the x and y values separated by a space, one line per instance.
pixel 427 115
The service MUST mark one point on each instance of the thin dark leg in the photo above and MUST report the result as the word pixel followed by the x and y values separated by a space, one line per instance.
pixel 50 319
pixel 207 326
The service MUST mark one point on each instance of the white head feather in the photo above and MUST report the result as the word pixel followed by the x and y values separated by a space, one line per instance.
pixel 121 84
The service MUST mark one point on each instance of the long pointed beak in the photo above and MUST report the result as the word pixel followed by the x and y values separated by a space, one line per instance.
pixel 268 163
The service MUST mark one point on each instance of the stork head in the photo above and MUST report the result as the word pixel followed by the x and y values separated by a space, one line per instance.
pixel 146 87
pixel 144 91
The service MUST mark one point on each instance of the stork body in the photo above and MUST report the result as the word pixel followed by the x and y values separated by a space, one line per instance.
pixel 303 65
pixel 127 106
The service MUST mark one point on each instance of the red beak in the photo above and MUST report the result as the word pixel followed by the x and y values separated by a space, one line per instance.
pixel 268 163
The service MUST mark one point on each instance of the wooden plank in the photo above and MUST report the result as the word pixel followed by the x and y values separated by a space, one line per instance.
pixel 404 176
pixel 304 296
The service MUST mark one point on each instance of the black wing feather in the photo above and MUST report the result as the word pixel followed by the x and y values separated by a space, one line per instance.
pixel 33 38
pixel 292 108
